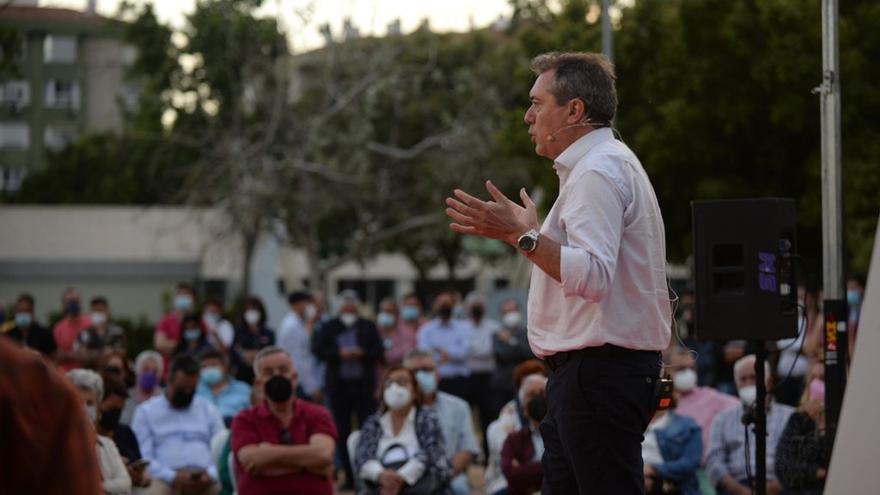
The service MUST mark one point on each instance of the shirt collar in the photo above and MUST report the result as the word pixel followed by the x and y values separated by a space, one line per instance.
pixel 385 419
pixel 576 150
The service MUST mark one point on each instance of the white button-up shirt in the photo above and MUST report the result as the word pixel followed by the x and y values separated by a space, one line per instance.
pixel 613 255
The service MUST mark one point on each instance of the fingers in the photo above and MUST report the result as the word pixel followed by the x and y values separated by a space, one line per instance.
pixel 461 207
pixel 527 201
pixel 458 217
pixel 470 200
pixel 463 229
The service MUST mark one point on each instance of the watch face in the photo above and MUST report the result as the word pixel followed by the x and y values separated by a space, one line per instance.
pixel 526 243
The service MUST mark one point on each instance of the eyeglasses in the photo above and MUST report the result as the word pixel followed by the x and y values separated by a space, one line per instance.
pixel 285 437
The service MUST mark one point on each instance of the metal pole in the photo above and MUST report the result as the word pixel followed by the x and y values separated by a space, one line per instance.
pixel 760 420
pixel 836 336
pixel 607 35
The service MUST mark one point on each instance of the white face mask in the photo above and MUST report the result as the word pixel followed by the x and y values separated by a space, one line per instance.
pixel 396 397
pixel 748 394
pixel 685 380
pixel 348 319
pixel 311 312
pixel 512 319
pixel 252 317
pixel 99 318
pixel 92 413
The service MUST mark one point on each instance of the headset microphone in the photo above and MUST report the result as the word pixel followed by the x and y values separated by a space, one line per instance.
pixel 552 136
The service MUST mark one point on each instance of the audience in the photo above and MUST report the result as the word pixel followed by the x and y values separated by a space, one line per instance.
pixel 802 453
pixel 522 450
pixel 167 334
pixel 25 329
pixel 672 451
pixel 194 340
pixel 227 394
pixel 481 360
pixel 351 348
pixel 283 444
pixel 398 338
pixel 411 313
pixel 402 446
pixel 701 404
pixel 220 331
pixel 296 337
pixel 510 347
pixel 67 330
pixel 251 335
pixel 454 415
pixel 726 460
pixel 174 431
pixel 114 475
pixel 101 337
pixel 109 425
pixel 45 434
pixel 449 340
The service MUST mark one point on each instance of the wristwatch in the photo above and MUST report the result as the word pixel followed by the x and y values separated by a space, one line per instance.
pixel 528 242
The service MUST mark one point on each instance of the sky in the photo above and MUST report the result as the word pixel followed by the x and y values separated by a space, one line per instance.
pixel 369 16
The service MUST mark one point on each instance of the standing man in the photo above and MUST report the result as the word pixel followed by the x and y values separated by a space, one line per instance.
pixel 25 330
pixel 295 337
pixel 102 336
pixel 67 330
pixel 599 309
pixel 167 333
pixel 449 340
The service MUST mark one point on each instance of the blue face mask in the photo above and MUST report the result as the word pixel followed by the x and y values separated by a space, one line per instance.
pixel 23 320
pixel 427 381
pixel 212 375
pixel 409 313
pixel 183 302
pixel 192 334
pixel 386 320
pixel 853 298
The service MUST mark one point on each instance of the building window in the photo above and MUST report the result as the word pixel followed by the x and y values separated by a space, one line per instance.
pixel 11 178
pixel 15 94
pixel 57 138
pixel 62 94
pixel 59 49
pixel 14 135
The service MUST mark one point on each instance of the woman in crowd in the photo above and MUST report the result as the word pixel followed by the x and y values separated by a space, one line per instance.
pixel 193 338
pixel 522 450
pixel 397 338
pixel 116 363
pixel 251 335
pixel 148 368
pixel 113 472
pixel 672 451
pixel 801 461
pixel 401 449
pixel 109 426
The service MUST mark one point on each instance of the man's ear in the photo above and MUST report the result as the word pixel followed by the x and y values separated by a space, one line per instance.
pixel 577 111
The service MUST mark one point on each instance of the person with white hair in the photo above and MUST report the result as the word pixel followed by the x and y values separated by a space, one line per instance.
pixel 148 368
pixel 351 348
pixel 113 471
pixel 726 459
pixel 523 449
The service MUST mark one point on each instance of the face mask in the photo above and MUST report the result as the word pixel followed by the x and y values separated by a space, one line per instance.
pixel 427 381
pixel 477 312
pixel 410 313
pixel 211 319
pixel 348 319
pixel 192 334
pixel 537 408
pixel 181 399
pixel 748 394
pixel 386 320
pixel 23 320
pixel 445 312
pixel 252 317
pixel 183 302
pixel 99 318
pixel 278 388
pixel 817 390
pixel 511 319
pixel 853 298
pixel 110 418
pixel 148 381
pixel 311 312
pixel 685 380
pixel 72 308
pixel 397 397
pixel 92 413
pixel 212 375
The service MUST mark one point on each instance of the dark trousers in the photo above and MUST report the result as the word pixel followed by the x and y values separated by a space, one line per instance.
pixel 350 398
pixel 598 407
pixel 456 385
pixel 480 395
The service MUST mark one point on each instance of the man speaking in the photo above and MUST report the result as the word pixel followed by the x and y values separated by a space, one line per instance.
pixel 599 310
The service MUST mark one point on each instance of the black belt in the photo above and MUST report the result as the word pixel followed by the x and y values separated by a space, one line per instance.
pixel 555 361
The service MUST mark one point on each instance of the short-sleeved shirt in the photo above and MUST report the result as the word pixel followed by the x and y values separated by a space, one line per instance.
pixel 38 337
pixel 169 326
pixel 257 425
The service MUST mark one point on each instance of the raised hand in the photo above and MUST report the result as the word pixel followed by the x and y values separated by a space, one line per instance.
pixel 500 218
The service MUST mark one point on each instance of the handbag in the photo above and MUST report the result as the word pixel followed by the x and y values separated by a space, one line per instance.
pixel 395 457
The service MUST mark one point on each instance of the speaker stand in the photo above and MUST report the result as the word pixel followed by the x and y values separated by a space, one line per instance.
pixel 760 419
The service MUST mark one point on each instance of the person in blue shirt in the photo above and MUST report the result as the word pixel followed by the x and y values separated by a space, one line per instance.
pixel 227 394
pixel 449 340
pixel 672 451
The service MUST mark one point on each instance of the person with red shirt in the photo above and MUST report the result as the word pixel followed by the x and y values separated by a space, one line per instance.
pixel 167 333
pixel 284 444
pixel 68 329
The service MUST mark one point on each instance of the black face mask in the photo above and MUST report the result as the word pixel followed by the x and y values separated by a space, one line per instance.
pixel 279 388
pixel 110 418
pixel 444 312
pixel 477 312
pixel 181 399
pixel 537 408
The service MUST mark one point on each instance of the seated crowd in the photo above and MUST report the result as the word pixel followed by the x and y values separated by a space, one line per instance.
pixel 405 403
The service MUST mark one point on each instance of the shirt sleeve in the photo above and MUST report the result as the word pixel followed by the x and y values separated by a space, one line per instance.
pixel 716 464
pixel 322 423
pixel 593 218
pixel 412 471
pixel 371 470
pixel 244 432
pixel 117 481
pixel 144 435
pixel 468 436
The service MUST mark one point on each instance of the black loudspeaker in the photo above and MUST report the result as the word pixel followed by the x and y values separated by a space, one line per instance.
pixel 743 264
